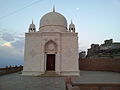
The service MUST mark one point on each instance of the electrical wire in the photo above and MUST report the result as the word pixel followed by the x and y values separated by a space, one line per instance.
pixel 16 11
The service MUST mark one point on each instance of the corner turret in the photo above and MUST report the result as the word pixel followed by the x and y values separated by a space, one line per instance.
pixel 71 27
pixel 32 27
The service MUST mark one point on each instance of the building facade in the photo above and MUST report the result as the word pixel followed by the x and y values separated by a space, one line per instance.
pixel 53 47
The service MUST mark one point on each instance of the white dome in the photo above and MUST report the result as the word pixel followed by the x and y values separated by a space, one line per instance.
pixel 53 19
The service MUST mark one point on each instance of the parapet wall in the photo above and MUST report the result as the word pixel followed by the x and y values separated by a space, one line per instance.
pixel 10 69
pixel 100 64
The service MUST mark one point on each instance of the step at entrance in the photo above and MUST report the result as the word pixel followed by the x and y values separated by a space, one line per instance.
pixel 50 74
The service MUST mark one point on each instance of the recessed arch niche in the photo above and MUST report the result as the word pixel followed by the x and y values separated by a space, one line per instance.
pixel 51 47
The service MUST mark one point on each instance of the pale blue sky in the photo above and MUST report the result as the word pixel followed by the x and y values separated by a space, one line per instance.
pixel 95 20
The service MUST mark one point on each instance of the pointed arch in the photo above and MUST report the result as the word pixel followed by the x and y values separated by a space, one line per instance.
pixel 50 47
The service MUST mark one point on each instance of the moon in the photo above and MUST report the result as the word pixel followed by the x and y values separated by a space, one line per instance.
pixel 77 8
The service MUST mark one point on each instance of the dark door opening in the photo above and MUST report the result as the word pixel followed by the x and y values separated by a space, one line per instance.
pixel 50 62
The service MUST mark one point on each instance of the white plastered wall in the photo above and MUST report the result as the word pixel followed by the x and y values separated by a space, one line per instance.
pixel 69 54
pixel 66 59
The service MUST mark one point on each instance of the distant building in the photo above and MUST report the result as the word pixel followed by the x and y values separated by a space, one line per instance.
pixel 82 55
pixel 53 48
pixel 108 50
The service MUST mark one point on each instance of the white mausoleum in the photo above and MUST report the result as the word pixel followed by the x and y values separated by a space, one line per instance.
pixel 54 48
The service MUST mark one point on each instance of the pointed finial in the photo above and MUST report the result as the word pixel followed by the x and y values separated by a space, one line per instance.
pixel 71 21
pixel 53 8
pixel 32 21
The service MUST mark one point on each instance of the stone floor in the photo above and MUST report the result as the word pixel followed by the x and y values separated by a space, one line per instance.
pixel 98 77
pixel 16 81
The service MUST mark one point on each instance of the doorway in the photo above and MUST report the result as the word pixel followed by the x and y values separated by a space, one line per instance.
pixel 50 62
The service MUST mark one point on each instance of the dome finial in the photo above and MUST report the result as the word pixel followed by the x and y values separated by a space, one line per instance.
pixel 71 21
pixel 32 21
pixel 53 8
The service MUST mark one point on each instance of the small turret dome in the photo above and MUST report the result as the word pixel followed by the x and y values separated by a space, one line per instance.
pixel 71 26
pixel 32 27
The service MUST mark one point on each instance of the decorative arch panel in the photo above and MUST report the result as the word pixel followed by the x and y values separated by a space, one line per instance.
pixel 51 47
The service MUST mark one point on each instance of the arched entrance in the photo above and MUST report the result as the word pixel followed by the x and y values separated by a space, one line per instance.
pixel 50 50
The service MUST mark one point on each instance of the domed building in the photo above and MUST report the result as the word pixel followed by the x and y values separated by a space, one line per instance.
pixel 51 49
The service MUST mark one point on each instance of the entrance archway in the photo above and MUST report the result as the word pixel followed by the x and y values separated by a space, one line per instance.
pixel 50 51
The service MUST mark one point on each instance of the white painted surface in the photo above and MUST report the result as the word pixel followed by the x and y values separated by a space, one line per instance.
pixel 51 39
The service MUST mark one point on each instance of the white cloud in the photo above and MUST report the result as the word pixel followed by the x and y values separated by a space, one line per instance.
pixel 8 44
pixel 18 44
pixel 11 51
pixel 8 37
